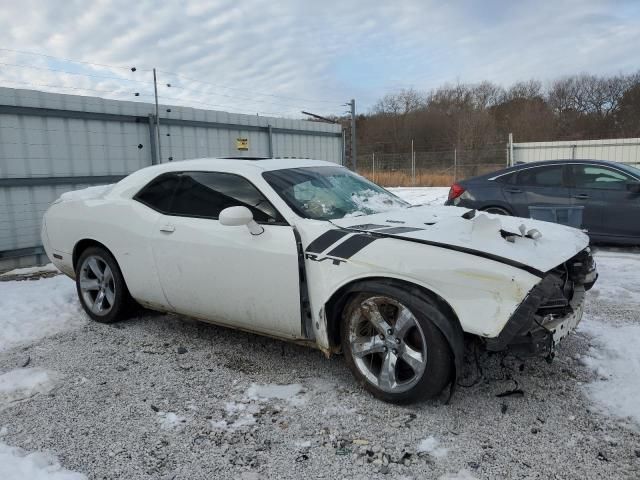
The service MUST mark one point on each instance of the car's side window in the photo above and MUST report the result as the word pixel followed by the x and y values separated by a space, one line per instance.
pixel 159 192
pixel 508 179
pixel 550 176
pixel 591 176
pixel 206 194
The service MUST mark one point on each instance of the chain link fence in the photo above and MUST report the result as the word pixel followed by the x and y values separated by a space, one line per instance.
pixel 431 169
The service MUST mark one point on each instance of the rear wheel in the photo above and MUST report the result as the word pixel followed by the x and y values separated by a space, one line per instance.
pixel 496 210
pixel 393 347
pixel 100 285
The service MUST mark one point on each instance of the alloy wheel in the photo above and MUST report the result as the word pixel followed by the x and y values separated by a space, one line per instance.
pixel 97 285
pixel 387 344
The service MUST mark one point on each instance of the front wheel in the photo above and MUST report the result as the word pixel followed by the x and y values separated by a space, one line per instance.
pixel 101 287
pixel 393 347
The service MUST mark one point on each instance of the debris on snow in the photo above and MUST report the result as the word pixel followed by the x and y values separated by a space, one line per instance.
pixel 15 463
pixel 23 383
pixel 430 446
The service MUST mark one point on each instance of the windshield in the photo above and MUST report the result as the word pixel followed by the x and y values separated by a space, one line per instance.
pixel 328 193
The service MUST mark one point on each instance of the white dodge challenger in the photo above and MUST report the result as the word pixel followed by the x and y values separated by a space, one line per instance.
pixel 308 251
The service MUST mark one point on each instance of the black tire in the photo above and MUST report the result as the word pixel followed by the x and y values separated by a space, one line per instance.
pixel 439 367
pixel 122 305
pixel 497 211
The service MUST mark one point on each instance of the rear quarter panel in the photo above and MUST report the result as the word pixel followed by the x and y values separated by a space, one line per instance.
pixel 123 226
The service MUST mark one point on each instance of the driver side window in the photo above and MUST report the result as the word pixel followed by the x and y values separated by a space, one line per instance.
pixel 205 195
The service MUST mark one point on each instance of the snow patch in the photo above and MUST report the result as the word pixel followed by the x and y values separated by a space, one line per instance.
pixel 615 358
pixel 430 445
pixel 23 383
pixel 422 195
pixel 619 281
pixel 48 268
pixel 171 421
pixel 35 309
pixel 292 394
pixel 16 464
pixel 87 193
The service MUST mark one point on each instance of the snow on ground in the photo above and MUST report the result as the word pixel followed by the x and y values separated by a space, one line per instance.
pixel 614 355
pixel 422 195
pixel 17 464
pixel 23 383
pixel 48 268
pixel 431 445
pixel 615 358
pixel 619 279
pixel 292 394
pixel 170 420
pixel 31 310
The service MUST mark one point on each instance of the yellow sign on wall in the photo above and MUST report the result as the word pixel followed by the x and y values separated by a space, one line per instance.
pixel 242 143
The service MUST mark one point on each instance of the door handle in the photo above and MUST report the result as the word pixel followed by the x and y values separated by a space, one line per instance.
pixel 581 196
pixel 168 229
pixel 513 190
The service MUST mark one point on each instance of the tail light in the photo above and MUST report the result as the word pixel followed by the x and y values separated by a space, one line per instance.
pixel 455 191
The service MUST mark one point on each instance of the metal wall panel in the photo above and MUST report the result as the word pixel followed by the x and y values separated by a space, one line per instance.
pixel 46 138
pixel 623 150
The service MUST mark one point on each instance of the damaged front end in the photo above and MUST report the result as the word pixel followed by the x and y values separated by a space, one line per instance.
pixel 551 310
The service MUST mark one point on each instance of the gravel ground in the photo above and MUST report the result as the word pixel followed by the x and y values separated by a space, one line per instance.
pixel 164 397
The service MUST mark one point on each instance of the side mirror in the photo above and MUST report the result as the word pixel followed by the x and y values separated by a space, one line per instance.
pixel 238 216
pixel 633 187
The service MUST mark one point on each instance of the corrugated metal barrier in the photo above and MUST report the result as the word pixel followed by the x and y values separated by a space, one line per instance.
pixel 51 143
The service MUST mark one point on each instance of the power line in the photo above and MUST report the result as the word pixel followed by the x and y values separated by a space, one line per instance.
pixel 50 69
pixel 23 52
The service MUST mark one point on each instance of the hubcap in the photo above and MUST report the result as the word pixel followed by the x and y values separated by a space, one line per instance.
pixel 97 285
pixel 387 344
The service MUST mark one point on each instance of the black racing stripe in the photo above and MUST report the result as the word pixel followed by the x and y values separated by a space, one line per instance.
pixel 351 246
pixel 325 240
pixel 397 230
pixel 368 226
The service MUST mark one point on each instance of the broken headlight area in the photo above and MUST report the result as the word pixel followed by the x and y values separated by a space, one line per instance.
pixel 551 310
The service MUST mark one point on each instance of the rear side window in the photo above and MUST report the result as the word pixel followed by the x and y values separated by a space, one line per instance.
pixel 206 194
pixel 550 176
pixel 590 176
pixel 158 194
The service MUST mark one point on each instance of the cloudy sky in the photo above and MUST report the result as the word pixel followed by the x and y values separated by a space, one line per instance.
pixel 283 56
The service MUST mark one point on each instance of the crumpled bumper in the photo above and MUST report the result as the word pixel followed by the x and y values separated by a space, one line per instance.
pixel 551 310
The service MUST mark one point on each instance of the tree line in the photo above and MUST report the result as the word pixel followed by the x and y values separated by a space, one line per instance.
pixel 472 116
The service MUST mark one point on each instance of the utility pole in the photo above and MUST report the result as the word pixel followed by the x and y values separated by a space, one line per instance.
pixel 354 149
pixel 155 91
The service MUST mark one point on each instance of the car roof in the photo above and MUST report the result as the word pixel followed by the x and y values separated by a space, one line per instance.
pixel 246 166
pixel 526 165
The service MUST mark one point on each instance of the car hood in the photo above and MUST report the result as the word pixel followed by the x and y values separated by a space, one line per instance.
pixel 537 245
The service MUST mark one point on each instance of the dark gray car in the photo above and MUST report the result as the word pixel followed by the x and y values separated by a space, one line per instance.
pixel 609 193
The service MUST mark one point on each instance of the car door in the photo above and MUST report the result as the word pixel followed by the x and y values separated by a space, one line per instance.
pixel 224 273
pixel 539 186
pixel 610 209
